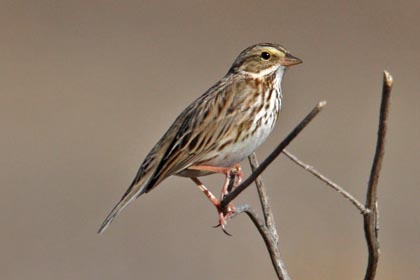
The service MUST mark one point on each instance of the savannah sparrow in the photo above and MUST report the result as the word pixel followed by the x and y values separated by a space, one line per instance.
pixel 219 129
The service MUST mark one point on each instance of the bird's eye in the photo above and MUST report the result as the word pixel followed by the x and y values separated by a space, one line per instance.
pixel 265 55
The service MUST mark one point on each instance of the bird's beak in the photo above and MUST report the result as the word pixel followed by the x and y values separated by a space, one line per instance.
pixel 290 60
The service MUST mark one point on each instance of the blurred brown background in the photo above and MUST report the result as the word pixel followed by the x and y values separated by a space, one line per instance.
pixel 87 87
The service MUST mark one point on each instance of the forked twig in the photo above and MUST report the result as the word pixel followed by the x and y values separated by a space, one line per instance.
pixel 370 209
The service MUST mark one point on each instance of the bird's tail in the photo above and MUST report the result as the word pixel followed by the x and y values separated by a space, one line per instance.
pixel 137 188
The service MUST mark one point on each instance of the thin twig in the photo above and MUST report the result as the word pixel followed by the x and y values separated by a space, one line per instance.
pixel 269 240
pixel 371 219
pixel 228 198
pixel 264 199
pixel 327 181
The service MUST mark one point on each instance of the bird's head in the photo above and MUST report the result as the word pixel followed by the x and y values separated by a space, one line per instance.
pixel 263 59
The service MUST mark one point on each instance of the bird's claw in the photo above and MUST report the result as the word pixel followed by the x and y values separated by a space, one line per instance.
pixel 224 217
pixel 226 232
pixel 223 229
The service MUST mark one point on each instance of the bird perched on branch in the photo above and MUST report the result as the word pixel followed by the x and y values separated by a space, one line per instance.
pixel 219 129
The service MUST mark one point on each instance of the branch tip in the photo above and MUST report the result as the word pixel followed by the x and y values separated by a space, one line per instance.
pixel 322 104
pixel 388 79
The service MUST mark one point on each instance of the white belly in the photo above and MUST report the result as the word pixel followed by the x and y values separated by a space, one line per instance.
pixel 237 152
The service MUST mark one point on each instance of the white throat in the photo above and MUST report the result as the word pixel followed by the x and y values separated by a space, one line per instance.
pixel 279 77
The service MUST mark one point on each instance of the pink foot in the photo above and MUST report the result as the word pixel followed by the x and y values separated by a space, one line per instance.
pixel 223 217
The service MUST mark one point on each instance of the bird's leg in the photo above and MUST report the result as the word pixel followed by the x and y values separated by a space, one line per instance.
pixel 214 201
pixel 206 192
pixel 232 173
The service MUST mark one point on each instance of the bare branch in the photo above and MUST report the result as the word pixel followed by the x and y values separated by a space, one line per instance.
pixel 371 219
pixel 370 210
pixel 327 181
pixel 232 195
pixel 264 199
pixel 268 238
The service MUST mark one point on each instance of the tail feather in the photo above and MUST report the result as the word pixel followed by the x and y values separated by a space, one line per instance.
pixel 135 190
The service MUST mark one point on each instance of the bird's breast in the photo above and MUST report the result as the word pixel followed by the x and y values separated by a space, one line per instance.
pixel 250 133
